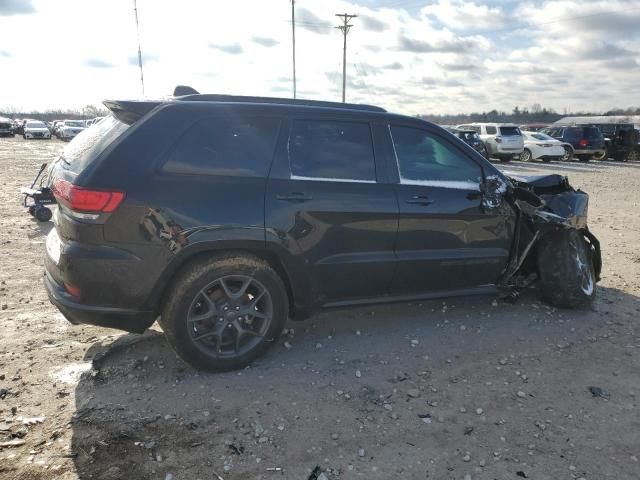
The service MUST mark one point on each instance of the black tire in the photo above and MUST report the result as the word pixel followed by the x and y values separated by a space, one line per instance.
pixel 602 156
pixel 568 153
pixel 526 155
pixel 633 156
pixel 188 287
pixel 42 214
pixel 565 266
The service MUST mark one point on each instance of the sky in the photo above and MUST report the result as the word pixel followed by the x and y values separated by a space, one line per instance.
pixel 409 56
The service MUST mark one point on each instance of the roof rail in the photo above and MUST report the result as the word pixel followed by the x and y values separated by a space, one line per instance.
pixel 210 97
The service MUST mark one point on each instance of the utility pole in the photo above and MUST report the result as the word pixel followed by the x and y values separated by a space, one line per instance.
pixel 135 10
pixel 293 34
pixel 344 28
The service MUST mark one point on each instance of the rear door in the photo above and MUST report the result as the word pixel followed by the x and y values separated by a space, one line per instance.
pixel 445 241
pixel 325 203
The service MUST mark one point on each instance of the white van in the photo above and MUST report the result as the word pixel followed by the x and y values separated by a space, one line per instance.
pixel 503 140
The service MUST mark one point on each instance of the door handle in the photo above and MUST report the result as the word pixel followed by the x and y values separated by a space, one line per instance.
pixel 294 197
pixel 420 200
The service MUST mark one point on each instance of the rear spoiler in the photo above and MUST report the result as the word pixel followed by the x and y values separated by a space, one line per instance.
pixel 130 111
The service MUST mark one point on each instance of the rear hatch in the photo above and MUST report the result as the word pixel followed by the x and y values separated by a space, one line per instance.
pixel 585 138
pixel 511 137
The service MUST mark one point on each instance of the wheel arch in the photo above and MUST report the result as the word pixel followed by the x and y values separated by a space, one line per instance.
pixel 298 308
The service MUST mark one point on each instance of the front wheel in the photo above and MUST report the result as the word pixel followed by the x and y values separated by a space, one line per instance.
pixel 225 311
pixel 601 156
pixel 565 267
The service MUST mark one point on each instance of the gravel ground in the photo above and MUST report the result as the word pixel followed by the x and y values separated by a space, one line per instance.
pixel 457 389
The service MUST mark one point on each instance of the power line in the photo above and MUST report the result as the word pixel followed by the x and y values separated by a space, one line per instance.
pixel 344 28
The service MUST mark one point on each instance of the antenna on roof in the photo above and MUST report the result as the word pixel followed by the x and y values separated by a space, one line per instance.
pixel 135 11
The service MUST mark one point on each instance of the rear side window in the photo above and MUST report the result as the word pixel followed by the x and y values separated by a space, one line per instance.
pixel 491 130
pixel 424 157
pixel 229 146
pixel 510 131
pixel 90 143
pixel 592 132
pixel 331 150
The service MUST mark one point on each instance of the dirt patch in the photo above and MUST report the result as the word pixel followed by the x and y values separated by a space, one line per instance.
pixel 441 390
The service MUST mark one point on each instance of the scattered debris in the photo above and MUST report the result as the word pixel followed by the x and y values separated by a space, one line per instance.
pixel 521 474
pixel 599 392
pixel 413 392
pixel 28 421
pixel 16 442
pixel 468 430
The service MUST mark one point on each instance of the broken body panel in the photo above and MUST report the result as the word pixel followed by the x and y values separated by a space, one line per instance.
pixel 543 204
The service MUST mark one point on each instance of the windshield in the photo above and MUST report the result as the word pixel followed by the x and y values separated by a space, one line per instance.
pixel 36 125
pixel 74 123
pixel 509 131
pixel 88 145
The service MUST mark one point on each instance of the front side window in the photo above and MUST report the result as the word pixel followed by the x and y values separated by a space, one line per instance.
pixel 331 150
pixel 424 157
pixel 231 146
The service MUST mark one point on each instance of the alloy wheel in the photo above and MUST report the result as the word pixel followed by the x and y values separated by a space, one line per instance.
pixel 230 316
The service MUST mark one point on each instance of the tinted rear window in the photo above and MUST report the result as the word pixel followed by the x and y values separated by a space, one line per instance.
pixel 509 131
pixel 90 143
pixel 330 150
pixel 231 146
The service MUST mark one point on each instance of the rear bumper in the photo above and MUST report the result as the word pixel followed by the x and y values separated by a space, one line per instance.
pixel 590 151
pixel 135 321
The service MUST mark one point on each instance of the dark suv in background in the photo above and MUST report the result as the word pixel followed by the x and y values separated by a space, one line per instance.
pixel 223 216
pixel 471 138
pixel 585 142
pixel 621 141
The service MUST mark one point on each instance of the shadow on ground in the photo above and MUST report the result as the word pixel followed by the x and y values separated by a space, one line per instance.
pixel 391 380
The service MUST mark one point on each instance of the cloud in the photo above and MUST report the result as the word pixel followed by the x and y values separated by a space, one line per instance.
pixel 603 50
pixel 16 7
pixel 232 49
pixel 393 66
pixel 458 67
pixel 265 41
pixel 465 15
pixel 308 20
pixel 452 45
pixel 97 63
pixel 372 24
pixel 146 58
pixel 5 54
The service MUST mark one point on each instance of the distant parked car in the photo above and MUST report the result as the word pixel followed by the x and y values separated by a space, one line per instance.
pixel 533 127
pixel 538 146
pixel 621 140
pixel 6 127
pixel 502 140
pixel 69 129
pixel 36 129
pixel 471 138
pixel 582 142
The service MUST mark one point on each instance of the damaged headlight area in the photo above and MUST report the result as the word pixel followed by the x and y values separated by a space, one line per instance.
pixel 552 240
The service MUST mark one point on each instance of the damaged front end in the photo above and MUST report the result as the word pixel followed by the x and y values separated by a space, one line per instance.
pixel 544 205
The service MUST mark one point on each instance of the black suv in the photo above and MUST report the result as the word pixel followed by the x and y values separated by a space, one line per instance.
pixel 621 141
pixel 223 216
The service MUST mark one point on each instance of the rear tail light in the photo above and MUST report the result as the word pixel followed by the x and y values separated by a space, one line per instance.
pixel 72 290
pixel 498 139
pixel 584 142
pixel 85 200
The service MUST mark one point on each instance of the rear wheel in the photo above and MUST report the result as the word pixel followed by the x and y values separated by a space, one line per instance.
pixel 565 266
pixel 601 156
pixel 224 312
pixel 526 156
pixel 633 156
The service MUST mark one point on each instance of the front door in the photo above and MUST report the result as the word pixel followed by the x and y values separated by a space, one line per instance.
pixel 325 202
pixel 446 240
